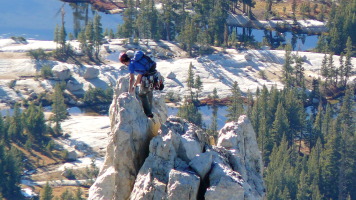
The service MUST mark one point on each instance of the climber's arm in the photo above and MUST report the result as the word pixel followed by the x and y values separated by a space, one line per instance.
pixel 132 80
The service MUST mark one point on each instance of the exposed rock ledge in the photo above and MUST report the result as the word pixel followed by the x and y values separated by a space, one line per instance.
pixel 175 161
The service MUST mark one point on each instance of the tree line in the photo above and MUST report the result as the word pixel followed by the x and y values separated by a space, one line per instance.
pixel 189 22
pixel 307 155
pixel 26 127
pixel 341 28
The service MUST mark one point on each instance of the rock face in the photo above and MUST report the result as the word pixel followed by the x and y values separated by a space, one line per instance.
pixel 178 162
pixel 61 72
pixel 131 132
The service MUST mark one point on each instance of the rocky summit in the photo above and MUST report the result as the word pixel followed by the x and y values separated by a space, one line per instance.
pixel 170 158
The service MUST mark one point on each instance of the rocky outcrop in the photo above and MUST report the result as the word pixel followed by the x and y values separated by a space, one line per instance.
pixel 150 159
pixel 131 132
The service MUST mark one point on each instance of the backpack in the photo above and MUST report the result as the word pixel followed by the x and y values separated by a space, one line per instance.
pixel 145 60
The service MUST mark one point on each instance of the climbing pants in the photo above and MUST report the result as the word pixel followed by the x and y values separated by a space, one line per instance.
pixel 146 96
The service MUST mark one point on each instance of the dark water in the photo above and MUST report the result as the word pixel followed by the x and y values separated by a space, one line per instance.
pixel 299 42
pixel 37 19
pixel 207 115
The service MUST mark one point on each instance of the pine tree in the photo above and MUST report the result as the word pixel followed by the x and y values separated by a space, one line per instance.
pixel 188 36
pixel 341 71
pixel 213 128
pixel 16 124
pixel 78 194
pixel 317 126
pixel 326 123
pixel 313 165
pixel 280 127
pixel 47 193
pixel 280 173
pixel 129 15
pixel 66 195
pixel 98 35
pixel 215 96
pixel 190 112
pixel 347 162
pixel 331 69
pixel 89 36
pixel 330 167
pixel 190 77
pixel 348 64
pixel 59 109
pixel 288 69
pixel 35 122
pixel 198 84
pixel 324 69
pixel 273 101
pixel 83 41
pixel 299 71
pixel 56 34
pixel 303 187
pixel 235 109
pixel 233 39
pixel 12 174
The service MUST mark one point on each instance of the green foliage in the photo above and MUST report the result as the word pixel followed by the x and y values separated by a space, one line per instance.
pixel 69 174
pixel 46 192
pixel 98 35
pixel 341 25
pixel 325 172
pixel 46 71
pixel 10 172
pixel 262 74
pixel 59 108
pixel 173 97
pixel 35 122
pixel 19 39
pixel 190 77
pixel 38 54
pixel 96 96
pixel 190 112
pixel 16 125
pixel 235 109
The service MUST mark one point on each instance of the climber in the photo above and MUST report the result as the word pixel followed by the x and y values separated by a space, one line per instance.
pixel 145 68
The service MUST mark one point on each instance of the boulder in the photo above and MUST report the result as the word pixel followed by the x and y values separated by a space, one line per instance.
pixel 72 155
pixel 74 85
pixel 91 72
pixel 61 72
pixel 201 163
pixel 182 185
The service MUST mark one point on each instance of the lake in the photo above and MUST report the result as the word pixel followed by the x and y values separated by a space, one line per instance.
pixel 37 19
pixel 300 42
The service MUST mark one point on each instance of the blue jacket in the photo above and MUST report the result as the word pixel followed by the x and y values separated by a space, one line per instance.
pixel 137 65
